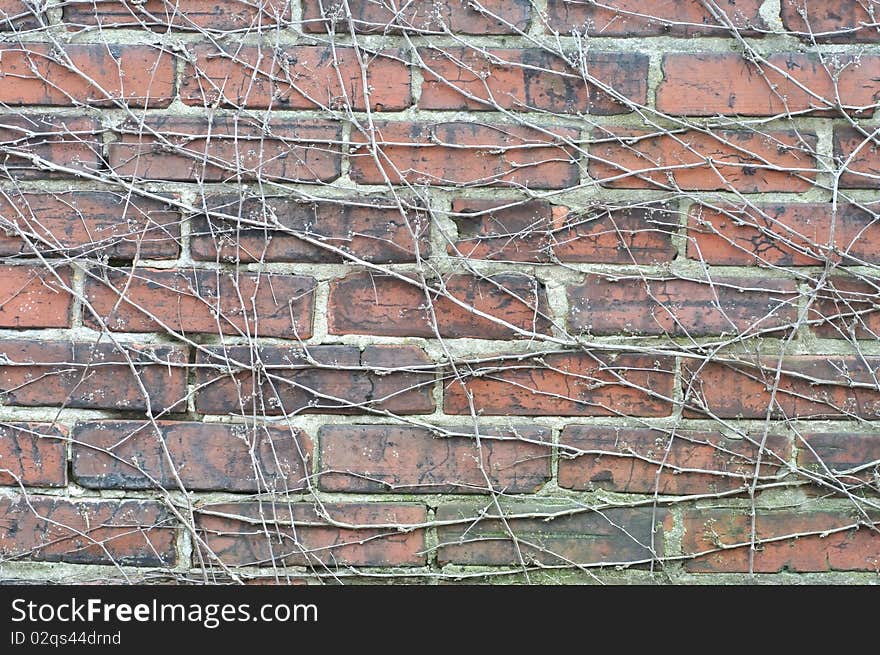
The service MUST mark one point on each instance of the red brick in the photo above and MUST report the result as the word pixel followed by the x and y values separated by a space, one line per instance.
pixel 682 462
pixel 356 534
pixel 530 80
pixel 657 18
pixel 33 454
pixel 342 380
pixel 844 21
pixel 227 149
pixel 94 376
pixel 850 458
pixel 119 532
pixel 613 536
pixel 814 386
pixel 295 77
pixel 379 304
pixel 33 146
pixel 822 546
pixel 708 84
pixel 460 16
pixel 846 307
pixel 204 456
pixel 564 384
pixel 18 15
pixel 377 458
pixel 466 154
pixel 96 223
pixel 35 297
pixel 861 155
pixel 641 305
pixel 190 15
pixel 746 161
pixel 536 231
pixel 86 74
pixel 802 234
pixel 211 302
pixel 374 229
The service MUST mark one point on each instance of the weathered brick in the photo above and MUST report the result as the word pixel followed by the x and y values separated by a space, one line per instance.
pixel 37 146
pixel 461 16
pixel 810 386
pixel 86 74
pixel 295 77
pixel 35 297
pixel 564 384
pixel 852 458
pixel 192 15
pixel 844 21
pixel 213 302
pixel 746 161
pixel 466 154
pixel 657 18
pixel 708 84
pixel 380 304
pixel 377 230
pixel 119 532
pixel 97 223
pixel 92 375
pixel 342 380
pixel 531 80
pixel 392 458
pixel 623 536
pixel 226 149
pixel 683 462
pixel 33 454
pixel 783 234
pixel 356 534
pixel 641 305
pixel 861 154
pixel 846 307
pixel 204 456
pixel 19 15
pixel 536 231
pixel 803 541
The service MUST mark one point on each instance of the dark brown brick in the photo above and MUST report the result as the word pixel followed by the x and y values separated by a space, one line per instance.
pixel 36 146
pixel 723 305
pixel 248 534
pixel 531 80
pixel 684 462
pixel 842 21
pixel 466 154
pixel 343 380
pixel 119 532
pixel 391 458
pixel 204 456
pixel 852 458
pixel 269 229
pixel 80 374
pixel 618 536
pixel 33 454
pixel 367 303
pixel 536 231
pixel 861 154
pixel 190 15
pixel 190 149
pixel 461 16
pixel 846 308
pixel 657 18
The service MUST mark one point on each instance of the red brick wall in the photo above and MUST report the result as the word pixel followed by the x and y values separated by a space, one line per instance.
pixel 524 291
